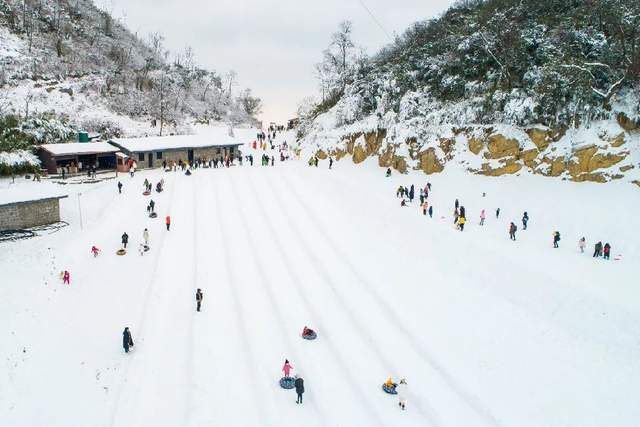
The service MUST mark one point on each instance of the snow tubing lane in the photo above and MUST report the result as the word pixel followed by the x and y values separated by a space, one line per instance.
pixel 287 383
pixel 153 215
pixel 146 193
pixel 389 390
pixel 311 336
pixel 121 252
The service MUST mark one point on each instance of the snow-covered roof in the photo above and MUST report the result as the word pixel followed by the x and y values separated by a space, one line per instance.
pixel 175 142
pixel 20 195
pixel 79 148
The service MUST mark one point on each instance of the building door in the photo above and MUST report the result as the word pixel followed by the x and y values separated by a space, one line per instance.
pixel 190 155
pixel 150 159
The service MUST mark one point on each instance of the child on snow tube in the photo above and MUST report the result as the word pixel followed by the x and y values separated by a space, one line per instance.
pixel 389 386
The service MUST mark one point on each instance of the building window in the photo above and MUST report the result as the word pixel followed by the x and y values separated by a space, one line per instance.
pixel 141 157
pixel 159 155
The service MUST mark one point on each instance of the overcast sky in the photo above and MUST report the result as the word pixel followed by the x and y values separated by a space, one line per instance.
pixel 272 45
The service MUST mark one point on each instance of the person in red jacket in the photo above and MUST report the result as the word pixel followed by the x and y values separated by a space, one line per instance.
pixel 95 251
pixel 168 222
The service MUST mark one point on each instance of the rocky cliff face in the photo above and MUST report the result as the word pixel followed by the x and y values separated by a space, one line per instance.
pixel 601 152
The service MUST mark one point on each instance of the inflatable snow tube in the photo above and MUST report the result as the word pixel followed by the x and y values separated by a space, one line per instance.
pixel 287 383
pixel 310 336
pixel 121 252
pixel 146 193
pixel 146 248
pixel 390 390
pixel 153 215
pixel 188 172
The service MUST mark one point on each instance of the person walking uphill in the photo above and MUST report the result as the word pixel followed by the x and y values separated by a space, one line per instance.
pixel 127 341
pixel 125 239
pixel 299 383
pixel 119 187
pixel 525 220
pixel 512 231
pixel 401 388
pixel 556 239
pixel 167 221
pixel 199 298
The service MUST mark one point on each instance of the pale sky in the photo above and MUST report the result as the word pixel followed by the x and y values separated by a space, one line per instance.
pixel 273 46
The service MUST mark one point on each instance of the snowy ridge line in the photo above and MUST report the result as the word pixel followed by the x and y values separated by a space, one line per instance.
pixel 427 412
pixel 268 287
pixel 148 292
pixel 240 320
pixel 310 307
pixel 470 399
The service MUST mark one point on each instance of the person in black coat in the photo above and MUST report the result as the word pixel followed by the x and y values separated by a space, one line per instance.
pixel 125 239
pixel 299 383
pixel 119 187
pixel 127 341
pixel 199 298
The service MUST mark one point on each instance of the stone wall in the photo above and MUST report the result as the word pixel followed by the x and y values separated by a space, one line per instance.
pixel 29 214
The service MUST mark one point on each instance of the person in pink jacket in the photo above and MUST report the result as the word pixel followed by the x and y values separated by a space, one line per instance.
pixel 286 368
pixel 482 217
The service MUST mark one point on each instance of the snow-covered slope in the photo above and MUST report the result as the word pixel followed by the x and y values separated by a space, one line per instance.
pixel 487 332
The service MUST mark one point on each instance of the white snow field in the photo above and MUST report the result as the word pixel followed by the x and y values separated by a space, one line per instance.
pixel 487 332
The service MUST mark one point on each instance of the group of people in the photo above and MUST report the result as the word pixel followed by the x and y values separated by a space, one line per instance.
pixel 407 195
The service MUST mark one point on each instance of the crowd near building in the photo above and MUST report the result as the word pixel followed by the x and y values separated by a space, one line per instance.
pixel 148 152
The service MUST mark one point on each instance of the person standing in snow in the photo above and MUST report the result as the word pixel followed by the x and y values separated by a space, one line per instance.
pixel 431 211
pixel 457 204
pixel 286 368
pixel 145 236
pixel 512 231
pixel 581 244
pixel 424 205
pixel 456 215
pixel 461 221
pixel 411 193
pixel 401 388
pixel 299 383
pixel 95 251
pixel 119 187
pixel 127 340
pixel 167 221
pixel 497 213
pixel 482 217
pixel 400 192
pixel 462 211
pixel 525 219
pixel 330 162
pixel 421 196
pixel 66 278
pixel 556 239
pixel 315 161
pixel 125 239
pixel 388 174
pixel 199 298
pixel 152 205
pixel 607 250
pixel 597 250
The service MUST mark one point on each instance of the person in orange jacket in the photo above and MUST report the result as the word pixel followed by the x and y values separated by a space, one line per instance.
pixel 168 222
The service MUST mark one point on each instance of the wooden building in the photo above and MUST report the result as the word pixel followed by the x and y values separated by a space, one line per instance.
pixel 77 157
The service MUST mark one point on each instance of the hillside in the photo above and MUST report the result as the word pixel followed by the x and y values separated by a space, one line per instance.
pixel 494 87
pixel 66 65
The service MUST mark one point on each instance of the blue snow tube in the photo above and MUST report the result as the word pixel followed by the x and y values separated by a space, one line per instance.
pixel 390 390
pixel 310 336
pixel 287 383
